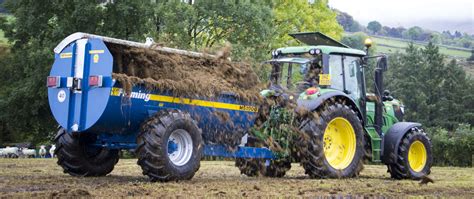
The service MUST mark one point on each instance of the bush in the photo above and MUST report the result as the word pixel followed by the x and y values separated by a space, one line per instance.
pixel 453 148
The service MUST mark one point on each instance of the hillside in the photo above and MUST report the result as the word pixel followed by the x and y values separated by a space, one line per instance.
pixel 388 45
pixel 391 45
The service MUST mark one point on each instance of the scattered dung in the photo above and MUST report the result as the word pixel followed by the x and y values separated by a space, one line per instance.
pixel 183 75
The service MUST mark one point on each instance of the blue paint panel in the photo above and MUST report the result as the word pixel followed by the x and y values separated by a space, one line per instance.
pixel 62 67
pixel 97 97
pixel 241 152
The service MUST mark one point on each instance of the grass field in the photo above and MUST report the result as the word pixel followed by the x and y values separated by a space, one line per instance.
pixel 3 40
pixel 387 45
pixel 43 178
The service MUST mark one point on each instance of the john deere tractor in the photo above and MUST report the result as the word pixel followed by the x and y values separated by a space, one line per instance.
pixel 323 116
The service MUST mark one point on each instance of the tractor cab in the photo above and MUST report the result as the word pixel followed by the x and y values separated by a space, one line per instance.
pixel 323 64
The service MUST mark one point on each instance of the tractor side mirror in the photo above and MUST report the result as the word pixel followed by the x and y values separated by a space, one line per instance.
pixel 382 63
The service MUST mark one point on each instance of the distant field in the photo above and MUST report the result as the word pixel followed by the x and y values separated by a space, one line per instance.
pixel 42 178
pixel 387 45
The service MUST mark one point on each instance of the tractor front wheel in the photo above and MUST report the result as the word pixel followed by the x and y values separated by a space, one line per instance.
pixel 414 156
pixel 78 158
pixel 332 142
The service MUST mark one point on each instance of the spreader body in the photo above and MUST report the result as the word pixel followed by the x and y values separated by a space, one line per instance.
pixel 85 98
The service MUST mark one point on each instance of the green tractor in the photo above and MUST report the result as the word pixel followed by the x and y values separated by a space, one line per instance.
pixel 323 117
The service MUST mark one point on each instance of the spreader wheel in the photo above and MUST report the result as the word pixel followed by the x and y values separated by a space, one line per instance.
pixel 253 167
pixel 260 167
pixel 332 142
pixel 414 157
pixel 78 158
pixel 169 146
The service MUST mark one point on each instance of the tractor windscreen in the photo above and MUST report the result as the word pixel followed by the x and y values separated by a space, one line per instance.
pixel 294 73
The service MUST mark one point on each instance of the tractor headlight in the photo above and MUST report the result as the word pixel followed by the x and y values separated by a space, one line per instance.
pixel 402 109
pixel 315 51
pixel 276 53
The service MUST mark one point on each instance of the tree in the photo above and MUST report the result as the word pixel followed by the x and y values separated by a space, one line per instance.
pixel 347 22
pixel 414 33
pixel 130 20
pixel 471 58
pixel 355 40
pixel 301 16
pixel 208 23
pixel 2 9
pixel 404 80
pixel 374 26
pixel 37 28
pixel 434 94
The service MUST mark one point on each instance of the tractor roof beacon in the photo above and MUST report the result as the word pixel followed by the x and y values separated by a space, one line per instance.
pixel 347 124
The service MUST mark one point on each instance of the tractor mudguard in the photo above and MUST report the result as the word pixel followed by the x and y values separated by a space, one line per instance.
pixel 315 103
pixel 392 139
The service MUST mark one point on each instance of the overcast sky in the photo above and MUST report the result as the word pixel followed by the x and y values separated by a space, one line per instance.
pixel 430 14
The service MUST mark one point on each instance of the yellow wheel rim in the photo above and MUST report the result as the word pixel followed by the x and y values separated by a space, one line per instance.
pixel 339 143
pixel 417 156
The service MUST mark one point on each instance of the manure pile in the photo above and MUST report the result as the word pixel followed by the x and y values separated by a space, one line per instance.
pixel 183 75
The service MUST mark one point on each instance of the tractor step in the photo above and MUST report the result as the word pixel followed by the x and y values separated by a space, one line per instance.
pixel 376 149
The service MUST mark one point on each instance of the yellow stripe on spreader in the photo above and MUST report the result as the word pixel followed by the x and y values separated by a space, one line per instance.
pixel 237 107
pixel 96 51
pixel 65 55
pixel 194 102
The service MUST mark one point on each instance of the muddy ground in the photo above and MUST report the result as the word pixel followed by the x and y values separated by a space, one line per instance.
pixel 43 178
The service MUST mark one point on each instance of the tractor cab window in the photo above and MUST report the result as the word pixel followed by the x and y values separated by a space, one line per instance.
pixel 286 74
pixel 344 71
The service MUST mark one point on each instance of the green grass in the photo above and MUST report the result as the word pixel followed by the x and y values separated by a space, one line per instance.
pixel 387 45
pixel 3 40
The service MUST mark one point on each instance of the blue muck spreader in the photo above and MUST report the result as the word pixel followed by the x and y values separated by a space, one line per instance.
pixel 98 117
pixel 316 110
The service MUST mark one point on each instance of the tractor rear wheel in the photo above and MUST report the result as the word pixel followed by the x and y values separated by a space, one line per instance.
pixel 78 158
pixel 332 142
pixel 414 157
pixel 169 146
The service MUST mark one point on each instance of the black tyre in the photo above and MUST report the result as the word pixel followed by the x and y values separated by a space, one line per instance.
pixel 259 167
pixel 78 158
pixel 414 157
pixel 170 146
pixel 332 142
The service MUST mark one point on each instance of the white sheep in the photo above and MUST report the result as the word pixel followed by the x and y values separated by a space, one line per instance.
pixel 42 151
pixel 2 155
pixel 51 150
pixel 11 152
pixel 28 153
